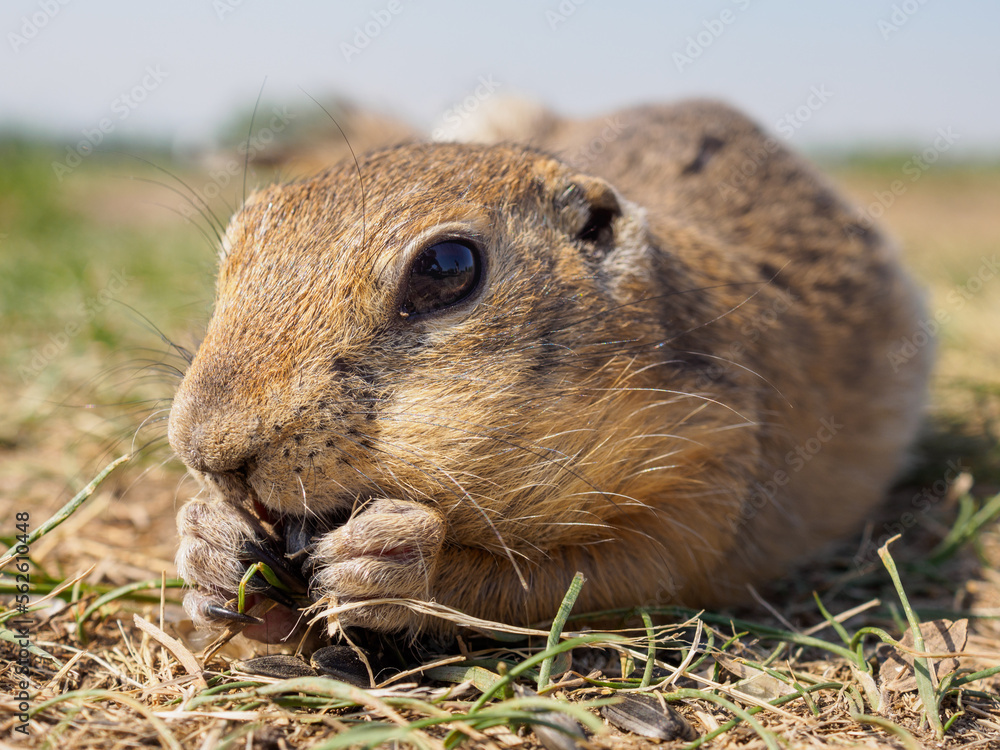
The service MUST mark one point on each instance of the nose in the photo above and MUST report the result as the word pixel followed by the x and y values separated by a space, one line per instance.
pixel 211 434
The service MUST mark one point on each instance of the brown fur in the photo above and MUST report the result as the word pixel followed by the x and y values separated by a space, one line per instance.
pixel 609 405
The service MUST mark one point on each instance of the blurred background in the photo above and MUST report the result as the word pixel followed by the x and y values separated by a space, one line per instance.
pixel 895 70
pixel 121 121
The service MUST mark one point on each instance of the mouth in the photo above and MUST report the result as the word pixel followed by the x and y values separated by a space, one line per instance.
pixel 279 562
pixel 286 547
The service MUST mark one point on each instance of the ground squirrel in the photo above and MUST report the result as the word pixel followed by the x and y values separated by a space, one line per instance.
pixel 463 373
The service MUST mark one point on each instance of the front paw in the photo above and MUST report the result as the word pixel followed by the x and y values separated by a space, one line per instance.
pixel 218 544
pixel 390 549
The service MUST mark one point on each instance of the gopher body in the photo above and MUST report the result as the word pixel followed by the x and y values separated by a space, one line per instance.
pixel 662 360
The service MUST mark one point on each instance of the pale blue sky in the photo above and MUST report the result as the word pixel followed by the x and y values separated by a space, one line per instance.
pixel 939 68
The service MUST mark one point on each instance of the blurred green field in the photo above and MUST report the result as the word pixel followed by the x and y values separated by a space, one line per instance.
pixel 64 242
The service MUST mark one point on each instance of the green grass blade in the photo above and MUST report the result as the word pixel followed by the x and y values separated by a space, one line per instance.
pixel 768 737
pixel 647 673
pixel 840 630
pixel 68 509
pixel 908 740
pixel 980 675
pixel 922 668
pixel 558 624
pixel 966 527
pixel 531 661
pixel 15 638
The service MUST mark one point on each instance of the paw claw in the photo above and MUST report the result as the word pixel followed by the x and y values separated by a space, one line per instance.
pixel 218 612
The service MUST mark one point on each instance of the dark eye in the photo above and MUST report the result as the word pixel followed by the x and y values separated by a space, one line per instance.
pixel 442 275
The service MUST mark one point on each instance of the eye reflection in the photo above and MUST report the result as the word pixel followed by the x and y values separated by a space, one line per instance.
pixel 442 275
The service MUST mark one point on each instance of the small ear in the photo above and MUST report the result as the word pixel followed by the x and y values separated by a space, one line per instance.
pixel 588 207
pixel 612 233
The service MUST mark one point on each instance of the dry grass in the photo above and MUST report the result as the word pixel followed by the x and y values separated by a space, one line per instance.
pixel 99 679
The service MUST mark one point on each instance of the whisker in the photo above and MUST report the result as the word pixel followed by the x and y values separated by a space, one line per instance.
pixel 153 328
pixel 211 239
pixel 745 369
pixel 246 150
pixel 357 166
pixel 201 205
pixel 143 423
pixel 683 394
pixel 463 494
pixel 513 445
